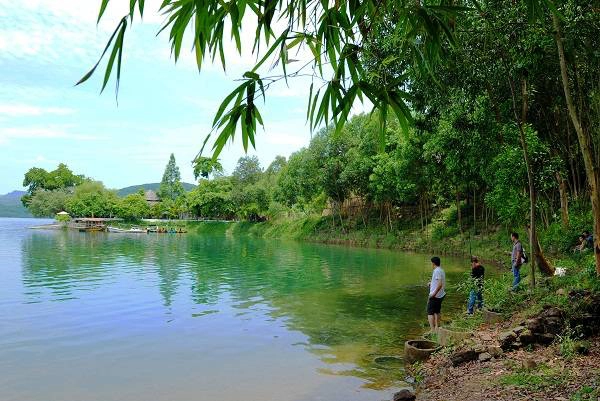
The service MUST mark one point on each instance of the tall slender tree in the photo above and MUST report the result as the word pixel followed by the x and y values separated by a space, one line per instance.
pixel 170 186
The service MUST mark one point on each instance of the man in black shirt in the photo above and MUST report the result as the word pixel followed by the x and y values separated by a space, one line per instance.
pixel 476 294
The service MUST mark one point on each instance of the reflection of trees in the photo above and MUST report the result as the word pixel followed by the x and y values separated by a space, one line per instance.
pixel 356 303
pixel 53 259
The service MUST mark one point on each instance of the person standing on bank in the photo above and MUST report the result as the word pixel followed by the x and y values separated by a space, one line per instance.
pixel 437 292
pixel 516 259
pixel 476 294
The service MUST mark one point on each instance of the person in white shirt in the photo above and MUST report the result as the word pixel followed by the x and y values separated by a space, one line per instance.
pixel 437 292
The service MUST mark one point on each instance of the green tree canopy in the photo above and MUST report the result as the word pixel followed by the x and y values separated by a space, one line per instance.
pixel 133 207
pixel 92 199
pixel 39 179
pixel 205 166
pixel 247 171
pixel 46 203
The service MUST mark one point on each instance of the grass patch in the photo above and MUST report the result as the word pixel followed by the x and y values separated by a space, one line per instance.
pixel 540 378
pixel 586 393
pixel 467 322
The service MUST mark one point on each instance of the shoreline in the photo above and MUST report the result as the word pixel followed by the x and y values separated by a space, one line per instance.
pixel 501 370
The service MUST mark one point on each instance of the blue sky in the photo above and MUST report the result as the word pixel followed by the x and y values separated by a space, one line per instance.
pixel 163 108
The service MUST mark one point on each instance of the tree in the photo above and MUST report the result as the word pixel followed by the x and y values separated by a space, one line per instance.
pixel 587 143
pixel 247 171
pixel 63 177
pixel 133 207
pixel 39 179
pixel 170 186
pixel 205 166
pixel 36 178
pixel 92 199
pixel 298 183
pixel 46 203
pixel 212 199
pixel 276 166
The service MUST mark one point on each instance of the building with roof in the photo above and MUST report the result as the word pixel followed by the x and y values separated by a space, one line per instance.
pixel 152 197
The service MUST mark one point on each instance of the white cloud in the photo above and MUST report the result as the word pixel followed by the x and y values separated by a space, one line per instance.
pixel 42 132
pixel 293 134
pixel 50 31
pixel 20 110
pixel 38 160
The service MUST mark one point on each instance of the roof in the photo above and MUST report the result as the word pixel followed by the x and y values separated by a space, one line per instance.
pixel 151 196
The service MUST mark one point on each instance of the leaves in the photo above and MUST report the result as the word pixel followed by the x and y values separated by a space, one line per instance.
pixel 334 34
pixel 117 50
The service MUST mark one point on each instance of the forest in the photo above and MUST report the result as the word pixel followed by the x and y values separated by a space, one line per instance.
pixel 491 108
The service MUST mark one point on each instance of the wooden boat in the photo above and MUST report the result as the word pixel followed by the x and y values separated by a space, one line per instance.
pixel 91 229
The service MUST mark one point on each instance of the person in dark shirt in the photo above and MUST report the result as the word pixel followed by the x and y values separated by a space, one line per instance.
pixel 589 240
pixel 476 294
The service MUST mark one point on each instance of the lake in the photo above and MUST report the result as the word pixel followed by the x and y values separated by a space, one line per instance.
pixel 204 316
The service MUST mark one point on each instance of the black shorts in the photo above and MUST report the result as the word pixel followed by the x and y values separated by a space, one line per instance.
pixel 434 305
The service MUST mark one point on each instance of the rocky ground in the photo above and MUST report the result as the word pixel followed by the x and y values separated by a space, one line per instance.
pixel 513 361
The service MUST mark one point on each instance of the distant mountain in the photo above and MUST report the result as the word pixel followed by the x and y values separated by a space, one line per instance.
pixel 152 187
pixel 11 206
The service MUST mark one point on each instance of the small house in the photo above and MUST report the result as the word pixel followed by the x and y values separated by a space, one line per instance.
pixel 151 197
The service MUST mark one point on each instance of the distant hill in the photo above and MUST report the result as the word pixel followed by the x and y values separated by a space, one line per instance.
pixel 11 206
pixel 152 186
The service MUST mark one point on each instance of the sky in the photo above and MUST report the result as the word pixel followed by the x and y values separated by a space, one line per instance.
pixel 46 46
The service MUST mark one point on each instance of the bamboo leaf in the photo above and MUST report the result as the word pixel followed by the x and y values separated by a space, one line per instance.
pixel 198 52
pixel 251 75
pixel 297 40
pixel 226 102
pixel 91 72
pixel 102 9
pixel 273 47
pixel 132 8
pixel 113 55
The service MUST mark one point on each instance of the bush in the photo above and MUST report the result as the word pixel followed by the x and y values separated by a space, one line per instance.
pixel 441 231
pixel 560 239
pixel 497 295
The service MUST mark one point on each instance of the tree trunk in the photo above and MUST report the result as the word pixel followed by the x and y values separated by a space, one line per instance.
pixel 421 212
pixel 520 120
pixel 474 210
pixel 459 214
pixel 585 144
pixel 564 199
pixel 545 267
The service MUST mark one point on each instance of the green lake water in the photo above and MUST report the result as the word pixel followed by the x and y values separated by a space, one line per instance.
pixel 203 316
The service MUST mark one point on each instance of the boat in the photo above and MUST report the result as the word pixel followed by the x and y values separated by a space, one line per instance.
pixel 152 229
pixel 91 229
pixel 132 230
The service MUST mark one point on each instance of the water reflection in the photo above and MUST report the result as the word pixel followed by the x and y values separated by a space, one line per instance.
pixel 350 305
